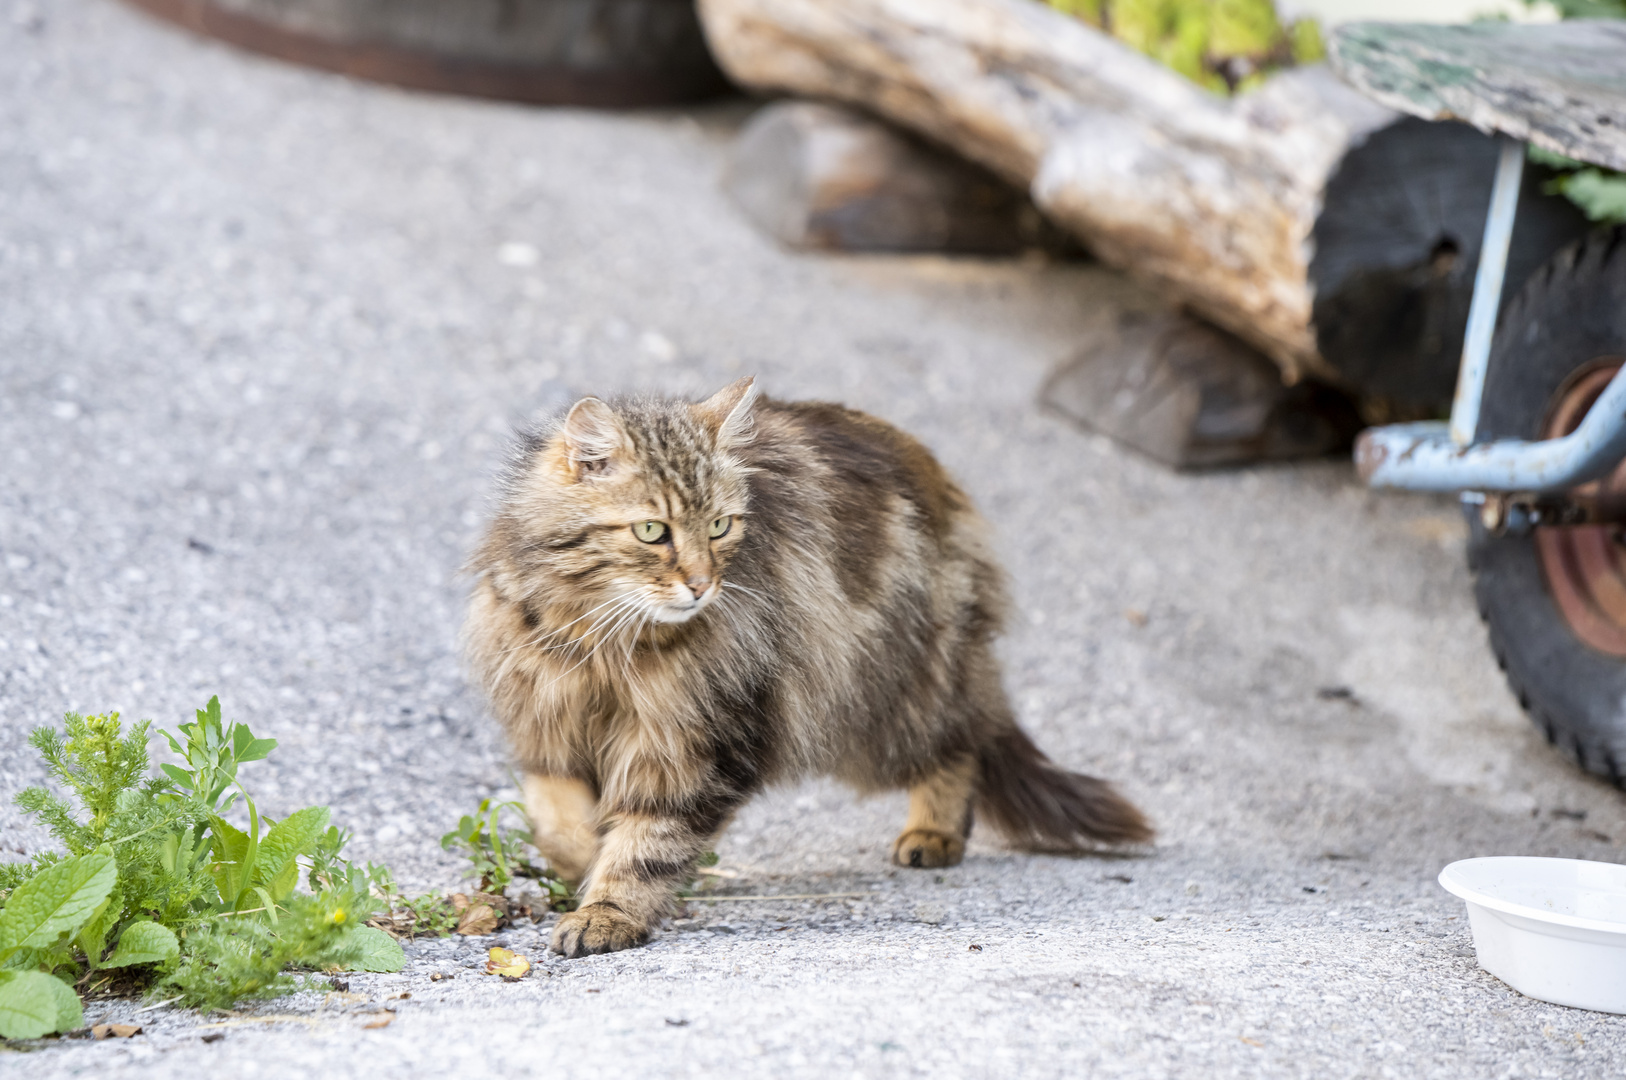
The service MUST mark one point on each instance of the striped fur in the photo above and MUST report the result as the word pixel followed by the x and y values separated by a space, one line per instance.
pixel 841 626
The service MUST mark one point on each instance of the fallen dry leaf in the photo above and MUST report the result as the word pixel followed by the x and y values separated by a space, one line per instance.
pixel 115 1031
pixel 476 920
pixel 377 1020
pixel 509 964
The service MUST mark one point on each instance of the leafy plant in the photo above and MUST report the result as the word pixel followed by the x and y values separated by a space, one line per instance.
pixel 156 878
pixel 497 853
pixel 1227 46
pixel 1599 192
pixel 427 915
pixel 1587 9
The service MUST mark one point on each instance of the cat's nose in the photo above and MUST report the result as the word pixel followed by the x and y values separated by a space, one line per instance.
pixel 698 586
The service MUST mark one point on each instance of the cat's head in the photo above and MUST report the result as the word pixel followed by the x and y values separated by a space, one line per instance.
pixel 635 507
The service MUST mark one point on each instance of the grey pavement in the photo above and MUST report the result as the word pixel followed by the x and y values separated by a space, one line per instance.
pixel 264 334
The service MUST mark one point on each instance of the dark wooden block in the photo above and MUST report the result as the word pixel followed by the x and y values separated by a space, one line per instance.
pixel 1193 397
pixel 818 176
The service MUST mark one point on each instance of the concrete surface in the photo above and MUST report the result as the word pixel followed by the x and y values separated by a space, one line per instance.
pixel 263 335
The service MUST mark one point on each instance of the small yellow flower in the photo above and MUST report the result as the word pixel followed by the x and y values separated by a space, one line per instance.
pixel 338 916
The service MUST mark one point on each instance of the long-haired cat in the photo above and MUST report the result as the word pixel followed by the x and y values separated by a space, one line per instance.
pixel 680 603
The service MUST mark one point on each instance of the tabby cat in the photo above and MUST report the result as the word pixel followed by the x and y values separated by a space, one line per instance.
pixel 678 604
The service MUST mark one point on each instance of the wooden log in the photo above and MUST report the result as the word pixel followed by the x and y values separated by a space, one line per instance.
pixel 820 176
pixel 1216 201
pixel 1194 397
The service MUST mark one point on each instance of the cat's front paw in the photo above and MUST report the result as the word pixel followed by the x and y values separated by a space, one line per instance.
pixel 597 928
pixel 927 850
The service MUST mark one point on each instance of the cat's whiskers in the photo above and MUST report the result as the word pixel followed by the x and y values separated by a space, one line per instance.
pixel 617 599
pixel 632 606
pixel 627 616
pixel 627 602
pixel 743 589
pixel 541 635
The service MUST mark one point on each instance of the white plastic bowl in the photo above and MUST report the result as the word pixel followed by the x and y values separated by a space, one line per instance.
pixel 1553 929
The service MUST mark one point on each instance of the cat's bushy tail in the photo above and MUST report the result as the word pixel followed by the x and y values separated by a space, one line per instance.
pixel 1039 806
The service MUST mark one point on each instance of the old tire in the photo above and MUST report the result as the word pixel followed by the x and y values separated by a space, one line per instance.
pixel 605 53
pixel 1554 600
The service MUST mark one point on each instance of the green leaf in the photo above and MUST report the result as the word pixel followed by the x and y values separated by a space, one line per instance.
pixel 1601 195
pixel 377 950
pixel 33 1003
pixel 286 882
pixel 256 749
pixel 169 852
pixel 92 938
pixel 293 836
pixel 60 898
pixel 181 777
pixel 233 867
pixel 144 943
pixel 268 905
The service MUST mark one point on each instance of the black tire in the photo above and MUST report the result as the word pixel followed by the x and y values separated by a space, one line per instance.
pixel 603 53
pixel 1571 312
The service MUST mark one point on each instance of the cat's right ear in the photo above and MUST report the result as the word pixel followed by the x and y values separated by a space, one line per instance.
pixel 592 436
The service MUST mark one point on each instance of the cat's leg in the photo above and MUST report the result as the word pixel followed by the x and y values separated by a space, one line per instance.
pixel 642 858
pixel 652 832
pixel 564 820
pixel 939 816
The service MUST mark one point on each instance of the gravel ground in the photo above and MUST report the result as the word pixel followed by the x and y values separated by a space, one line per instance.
pixel 264 334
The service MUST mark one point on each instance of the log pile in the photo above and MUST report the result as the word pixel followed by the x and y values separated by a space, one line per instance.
pixel 1331 233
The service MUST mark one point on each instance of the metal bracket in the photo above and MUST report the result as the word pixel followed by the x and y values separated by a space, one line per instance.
pixel 1487 298
pixel 1435 456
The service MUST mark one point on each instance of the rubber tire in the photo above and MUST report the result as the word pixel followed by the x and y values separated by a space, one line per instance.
pixel 1569 312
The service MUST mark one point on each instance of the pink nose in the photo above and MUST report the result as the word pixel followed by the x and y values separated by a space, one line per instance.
pixel 698 586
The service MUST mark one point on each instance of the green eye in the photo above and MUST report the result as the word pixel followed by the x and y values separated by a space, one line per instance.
pixel 650 532
pixel 720 526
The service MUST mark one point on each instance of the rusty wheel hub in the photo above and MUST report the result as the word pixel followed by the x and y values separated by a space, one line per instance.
pixel 1585 565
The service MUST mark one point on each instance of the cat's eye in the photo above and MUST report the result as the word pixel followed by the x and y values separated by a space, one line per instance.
pixel 650 532
pixel 721 526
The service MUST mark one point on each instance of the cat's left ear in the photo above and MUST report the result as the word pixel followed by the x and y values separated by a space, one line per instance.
pixel 729 411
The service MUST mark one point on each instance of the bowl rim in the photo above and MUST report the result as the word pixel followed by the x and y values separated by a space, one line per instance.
pixel 1452 883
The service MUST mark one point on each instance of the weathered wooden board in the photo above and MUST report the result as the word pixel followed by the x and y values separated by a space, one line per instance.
pixel 1559 85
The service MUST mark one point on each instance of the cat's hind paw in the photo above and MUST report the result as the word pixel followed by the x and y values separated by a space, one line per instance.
pixel 925 849
pixel 597 928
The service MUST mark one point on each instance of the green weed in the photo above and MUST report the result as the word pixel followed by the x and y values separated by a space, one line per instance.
pixel 498 854
pixel 156 879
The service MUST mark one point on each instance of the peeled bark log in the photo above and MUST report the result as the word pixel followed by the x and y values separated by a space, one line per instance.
pixel 1214 200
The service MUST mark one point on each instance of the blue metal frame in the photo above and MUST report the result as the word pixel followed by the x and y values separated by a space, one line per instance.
pixel 1436 456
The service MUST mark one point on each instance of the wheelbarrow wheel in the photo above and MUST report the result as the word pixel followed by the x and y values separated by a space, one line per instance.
pixel 1554 600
